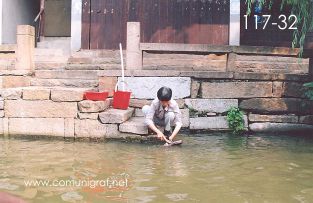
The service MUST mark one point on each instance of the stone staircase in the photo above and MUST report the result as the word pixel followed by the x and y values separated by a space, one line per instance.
pixel 7 61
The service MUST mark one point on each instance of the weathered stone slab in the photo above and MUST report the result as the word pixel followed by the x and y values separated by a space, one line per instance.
pixel 138 112
pixel 195 87
pixel 288 89
pixel 37 126
pixel 12 93
pixel 273 118
pixel 139 103
pixel 5 126
pixel 185 118
pixel 134 125
pixel 281 105
pixel 95 129
pixel 211 105
pixel 1 104
pixel 252 76
pixel 91 116
pixel 1 113
pixel 15 81
pixel 36 93
pixel 116 115
pixel 1 126
pixel 107 84
pixel 211 123
pixel 143 88
pixel 236 89
pixel 88 106
pixel 280 127
pixel 40 109
pixel 69 128
pixel 67 94
pixel 306 119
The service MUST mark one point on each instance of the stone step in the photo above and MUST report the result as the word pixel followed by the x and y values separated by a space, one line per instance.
pixel 93 67
pixel 67 74
pixel 48 52
pixel 64 83
pixel 55 59
pixel 95 60
pixel 116 115
pixel 134 125
pixel 99 53
pixel 50 65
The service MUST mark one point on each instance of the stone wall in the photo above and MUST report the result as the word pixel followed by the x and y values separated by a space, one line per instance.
pixel 271 103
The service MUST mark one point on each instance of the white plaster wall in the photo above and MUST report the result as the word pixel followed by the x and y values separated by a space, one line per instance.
pixel 16 12
pixel 76 25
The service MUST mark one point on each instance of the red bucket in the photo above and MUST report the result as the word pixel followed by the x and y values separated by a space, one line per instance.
pixel 96 96
pixel 121 99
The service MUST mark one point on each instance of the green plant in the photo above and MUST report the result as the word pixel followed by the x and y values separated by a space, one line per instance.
pixel 235 120
pixel 309 91
pixel 302 9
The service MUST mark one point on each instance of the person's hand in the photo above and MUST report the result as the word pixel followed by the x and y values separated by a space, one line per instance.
pixel 171 138
pixel 160 135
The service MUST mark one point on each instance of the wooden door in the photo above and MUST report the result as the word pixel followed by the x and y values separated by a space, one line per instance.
pixel 162 21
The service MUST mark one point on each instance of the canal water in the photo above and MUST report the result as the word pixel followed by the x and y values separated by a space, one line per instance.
pixel 206 168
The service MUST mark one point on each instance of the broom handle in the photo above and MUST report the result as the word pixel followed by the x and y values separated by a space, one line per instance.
pixel 122 62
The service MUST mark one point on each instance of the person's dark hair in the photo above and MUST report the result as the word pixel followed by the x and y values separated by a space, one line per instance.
pixel 165 94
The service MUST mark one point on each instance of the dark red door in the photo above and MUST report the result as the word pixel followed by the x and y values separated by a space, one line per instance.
pixel 162 21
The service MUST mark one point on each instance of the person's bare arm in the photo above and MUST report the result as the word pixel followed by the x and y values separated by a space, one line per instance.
pixel 175 132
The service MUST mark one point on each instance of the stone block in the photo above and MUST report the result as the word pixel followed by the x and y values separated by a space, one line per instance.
pixel 273 118
pixel 95 129
pixel 279 105
pixel 37 126
pixel 277 89
pixel 12 93
pixel 116 115
pixel 88 106
pixel 143 88
pixel 15 81
pixel 195 88
pixel 67 94
pixel 40 109
pixel 236 89
pixel 139 103
pixel 211 123
pixel 1 126
pixel 107 84
pixel 36 93
pixel 185 118
pixel 306 119
pixel 5 126
pixel 211 105
pixel 134 125
pixel 69 128
pixel 138 112
pixel 288 89
pixel 1 104
pixel 280 127
pixel 91 116
pixel 1 113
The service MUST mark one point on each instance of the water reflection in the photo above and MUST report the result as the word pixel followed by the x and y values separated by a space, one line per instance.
pixel 215 168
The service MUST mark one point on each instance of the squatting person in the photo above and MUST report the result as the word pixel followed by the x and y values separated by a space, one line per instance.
pixel 163 111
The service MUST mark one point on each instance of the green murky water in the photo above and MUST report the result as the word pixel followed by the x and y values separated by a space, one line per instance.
pixel 206 168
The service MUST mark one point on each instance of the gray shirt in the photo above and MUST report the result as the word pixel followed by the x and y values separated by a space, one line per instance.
pixel 157 110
